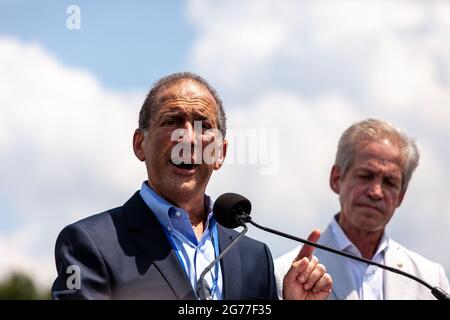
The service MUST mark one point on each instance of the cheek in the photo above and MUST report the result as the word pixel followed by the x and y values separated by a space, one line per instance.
pixel 155 152
pixel 359 189
pixel 207 138
pixel 205 172
pixel 162 143
pixel 353 192
pixel 354 196
pixel 391 201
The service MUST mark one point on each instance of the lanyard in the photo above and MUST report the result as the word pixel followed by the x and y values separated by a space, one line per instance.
pixel 215 240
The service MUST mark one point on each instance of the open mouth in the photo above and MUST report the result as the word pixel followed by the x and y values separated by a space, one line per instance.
pixel 184 166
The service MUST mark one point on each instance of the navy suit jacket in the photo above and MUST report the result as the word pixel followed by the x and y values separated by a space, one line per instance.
pixel 123 253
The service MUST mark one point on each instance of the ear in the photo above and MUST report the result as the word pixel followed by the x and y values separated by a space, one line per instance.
pixel 335 177
pixel 223 153
pixel 138 138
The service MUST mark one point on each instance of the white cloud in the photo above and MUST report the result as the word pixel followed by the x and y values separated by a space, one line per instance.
pixel 336 62
pixel 16 254
pixel 65 150
pixel 308 69
pixel 248 40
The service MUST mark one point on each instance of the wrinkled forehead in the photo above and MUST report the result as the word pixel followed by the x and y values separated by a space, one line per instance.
pixel 186 90
pixel 187 97
pixel 380 154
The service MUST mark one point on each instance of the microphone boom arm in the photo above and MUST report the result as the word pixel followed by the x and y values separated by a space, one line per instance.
pixel 203 290
pixel 436 291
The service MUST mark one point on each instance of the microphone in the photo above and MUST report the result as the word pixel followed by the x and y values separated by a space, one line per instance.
pixel 232 210
pixel 234 204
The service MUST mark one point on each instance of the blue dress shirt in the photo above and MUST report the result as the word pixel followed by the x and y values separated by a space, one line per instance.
pixel 194 255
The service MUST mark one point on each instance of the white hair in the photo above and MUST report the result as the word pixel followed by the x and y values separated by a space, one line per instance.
pixel 373 130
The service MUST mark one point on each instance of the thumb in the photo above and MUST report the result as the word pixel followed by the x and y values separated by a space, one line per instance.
pixel 306 251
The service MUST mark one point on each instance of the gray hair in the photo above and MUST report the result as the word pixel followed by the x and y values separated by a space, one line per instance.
pixel 373 130
pixel 151 103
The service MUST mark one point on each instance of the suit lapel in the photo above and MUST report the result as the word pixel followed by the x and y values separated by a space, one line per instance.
pixel 230 265
pixel 343 286
pixel 395 286
pixel 147 233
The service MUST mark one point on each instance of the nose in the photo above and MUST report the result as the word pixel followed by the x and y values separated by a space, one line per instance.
pixel 190 132
pixel 375 191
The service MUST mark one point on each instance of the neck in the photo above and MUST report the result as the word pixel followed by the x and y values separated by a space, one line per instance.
pixel 197 215
pixel 366 241
pixel 194 205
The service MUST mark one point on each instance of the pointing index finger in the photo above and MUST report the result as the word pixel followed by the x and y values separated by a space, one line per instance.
pixel 306 251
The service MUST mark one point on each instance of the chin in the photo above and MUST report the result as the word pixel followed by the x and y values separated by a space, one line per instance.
pixel 369 228
pixel 369 225
pixel 187 186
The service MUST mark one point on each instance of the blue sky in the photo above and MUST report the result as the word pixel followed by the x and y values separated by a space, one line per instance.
pixel 126 44
pixel 69 102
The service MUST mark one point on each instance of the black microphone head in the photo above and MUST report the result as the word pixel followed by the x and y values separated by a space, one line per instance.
pixel 228 206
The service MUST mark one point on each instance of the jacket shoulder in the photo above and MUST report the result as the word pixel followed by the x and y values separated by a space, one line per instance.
pixel 97 231
pixel 418 260
pixel 424 268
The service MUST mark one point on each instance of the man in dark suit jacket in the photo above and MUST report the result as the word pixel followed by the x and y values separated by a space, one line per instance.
pixel 156 245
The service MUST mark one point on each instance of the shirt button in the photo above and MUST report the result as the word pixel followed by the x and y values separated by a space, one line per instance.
pixel 177 214
pixel 169 229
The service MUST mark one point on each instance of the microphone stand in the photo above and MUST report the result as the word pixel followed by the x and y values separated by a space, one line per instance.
pixel 203 290
pixel 436 291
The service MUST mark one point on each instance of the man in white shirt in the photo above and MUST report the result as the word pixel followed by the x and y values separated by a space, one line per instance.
pixel 374 164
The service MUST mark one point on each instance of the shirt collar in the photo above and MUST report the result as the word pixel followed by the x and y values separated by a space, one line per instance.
pixel 165 211
pixel 345 244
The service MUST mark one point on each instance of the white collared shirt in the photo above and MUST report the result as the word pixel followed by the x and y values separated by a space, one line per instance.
pixel 367 279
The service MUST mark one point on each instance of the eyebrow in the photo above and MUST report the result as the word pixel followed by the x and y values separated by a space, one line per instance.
pixel 175 111
pixel 178 114
pixel 170 112
pixel 372 171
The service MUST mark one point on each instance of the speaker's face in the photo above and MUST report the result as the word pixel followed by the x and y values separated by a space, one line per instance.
pixel 179 134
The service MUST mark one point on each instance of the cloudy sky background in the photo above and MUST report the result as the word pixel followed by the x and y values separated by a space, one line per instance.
pixel 69 101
